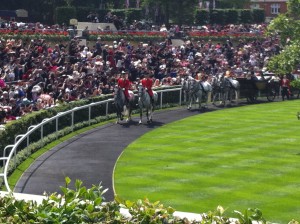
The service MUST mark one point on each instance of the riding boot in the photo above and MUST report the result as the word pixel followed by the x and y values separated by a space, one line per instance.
pixel 152 100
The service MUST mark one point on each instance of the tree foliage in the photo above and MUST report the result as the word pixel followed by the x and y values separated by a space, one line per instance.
pixel 287 28
pixel 237 4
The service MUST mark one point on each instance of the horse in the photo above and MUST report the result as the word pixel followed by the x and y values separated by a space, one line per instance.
pixel 144 102
pixel 185 89
pixel 123 109
pixel 197 91
pixel 230 89
pixel 217 89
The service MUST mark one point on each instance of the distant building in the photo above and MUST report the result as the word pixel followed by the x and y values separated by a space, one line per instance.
pixel 9 15
pixel 271 7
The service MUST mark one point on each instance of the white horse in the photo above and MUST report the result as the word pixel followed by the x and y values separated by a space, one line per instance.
pixel 144 102
pixel 185 89
pixel 122 108
pixel 231 90
pixel 197 91
pixel 217 89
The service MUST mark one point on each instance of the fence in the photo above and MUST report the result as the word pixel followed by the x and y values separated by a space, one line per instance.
pixel 69 116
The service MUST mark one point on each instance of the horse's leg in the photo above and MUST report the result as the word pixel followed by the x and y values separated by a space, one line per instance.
pixel 208 97
pixel 129 114
pixel 141 115
pixel 147 114
pixel 190 103
pixel 223 99
pixel 199 97
pixel 151 113
pixel 220 95
pixel 118 117
pixel 237 92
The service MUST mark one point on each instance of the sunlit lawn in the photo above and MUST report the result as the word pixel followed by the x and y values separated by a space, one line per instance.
pixel 245 157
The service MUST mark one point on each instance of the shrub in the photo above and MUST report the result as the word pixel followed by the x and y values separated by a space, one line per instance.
pixel 82 205
pixel 202 17
pixel 64 14
pixel 258 15
pixel 245 16
pixel 217 17
pixel 231 16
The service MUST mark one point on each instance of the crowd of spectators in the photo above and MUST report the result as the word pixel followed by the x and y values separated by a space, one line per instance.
pixel 36 75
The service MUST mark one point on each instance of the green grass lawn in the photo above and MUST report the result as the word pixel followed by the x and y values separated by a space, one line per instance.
pixel 245 157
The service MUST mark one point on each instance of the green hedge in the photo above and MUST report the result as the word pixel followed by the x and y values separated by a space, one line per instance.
pixel 78 204
pixel 217 17
pixel 229 16
pixel 64 14
pixel 20 126
pixel 258 15
pixel 202 17
pixel 246 16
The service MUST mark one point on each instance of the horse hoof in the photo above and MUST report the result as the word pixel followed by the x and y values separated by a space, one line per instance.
pixel 148 122
pixel 140 122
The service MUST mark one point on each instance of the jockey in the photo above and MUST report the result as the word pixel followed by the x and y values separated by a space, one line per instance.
pixel 147 83
pixel 124 84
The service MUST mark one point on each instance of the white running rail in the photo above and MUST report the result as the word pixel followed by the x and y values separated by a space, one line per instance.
pixel 12 149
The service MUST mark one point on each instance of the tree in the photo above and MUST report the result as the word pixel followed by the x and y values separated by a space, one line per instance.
pixel 178 11
pixel 287 28
pixel 237 4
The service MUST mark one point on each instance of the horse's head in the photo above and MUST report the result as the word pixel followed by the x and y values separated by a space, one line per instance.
pixel 117 90
pixel 184 84
pixel 141 90
pixel 119 95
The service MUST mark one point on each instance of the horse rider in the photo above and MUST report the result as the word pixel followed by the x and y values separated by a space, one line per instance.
pixel 202 78
pixel 124 84
pixel 147 83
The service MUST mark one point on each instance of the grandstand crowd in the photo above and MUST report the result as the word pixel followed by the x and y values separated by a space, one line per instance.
pixel 36 75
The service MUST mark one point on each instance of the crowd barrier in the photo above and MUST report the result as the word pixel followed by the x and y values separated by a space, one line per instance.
pixel 10 151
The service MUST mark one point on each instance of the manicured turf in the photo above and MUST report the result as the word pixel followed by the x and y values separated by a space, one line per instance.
pixel 246 157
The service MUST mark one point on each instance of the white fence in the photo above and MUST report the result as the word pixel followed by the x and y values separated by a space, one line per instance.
pixel 12 149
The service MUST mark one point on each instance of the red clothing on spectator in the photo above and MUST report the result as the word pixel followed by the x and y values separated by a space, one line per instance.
pixel 111 59
pixel 125 85
pixel 147 83
pixel 285 83
pixel 2 83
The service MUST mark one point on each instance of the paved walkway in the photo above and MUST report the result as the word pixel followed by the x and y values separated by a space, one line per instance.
pixel 90 156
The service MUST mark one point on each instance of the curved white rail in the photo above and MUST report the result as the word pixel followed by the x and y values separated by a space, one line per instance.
pixel 20 138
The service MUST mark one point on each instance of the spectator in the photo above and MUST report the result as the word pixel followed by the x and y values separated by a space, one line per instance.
pixel 285 87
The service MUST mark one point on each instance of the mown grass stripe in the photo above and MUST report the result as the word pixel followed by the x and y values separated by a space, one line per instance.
pixel 238 158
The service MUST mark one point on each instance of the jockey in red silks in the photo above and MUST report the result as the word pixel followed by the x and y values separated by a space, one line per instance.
pixel 124 84
pixel 147 83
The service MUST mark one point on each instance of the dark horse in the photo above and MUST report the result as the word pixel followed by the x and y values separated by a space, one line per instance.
pixel 122 108
pixel 145 102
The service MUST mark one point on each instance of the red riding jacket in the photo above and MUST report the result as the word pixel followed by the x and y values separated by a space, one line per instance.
pixel 147 83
